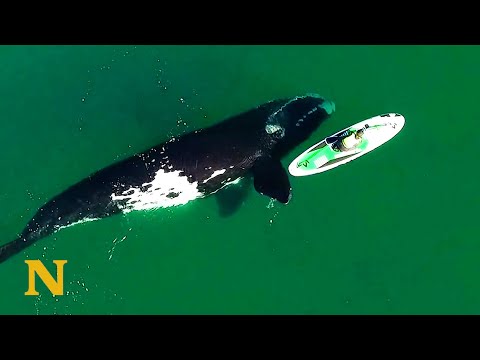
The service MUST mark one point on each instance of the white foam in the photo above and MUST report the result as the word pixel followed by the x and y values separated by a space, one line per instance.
pixel 156 195
pixel 227 183
pixel 59 227
pixel 236 181
pixel 215 173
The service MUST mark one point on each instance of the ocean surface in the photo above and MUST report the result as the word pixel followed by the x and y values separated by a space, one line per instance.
pixel 394 232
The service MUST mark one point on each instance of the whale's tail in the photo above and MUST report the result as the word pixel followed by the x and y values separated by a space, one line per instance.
pixel 32 232
pixel 58 213
pixel 13 247
pixel 39 227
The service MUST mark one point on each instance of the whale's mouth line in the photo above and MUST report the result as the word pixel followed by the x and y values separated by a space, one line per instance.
pixel 274 121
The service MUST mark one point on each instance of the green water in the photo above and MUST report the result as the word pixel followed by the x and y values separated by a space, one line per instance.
pixel 395 232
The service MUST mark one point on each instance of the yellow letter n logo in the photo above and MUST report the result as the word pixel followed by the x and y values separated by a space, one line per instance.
pixel 36 266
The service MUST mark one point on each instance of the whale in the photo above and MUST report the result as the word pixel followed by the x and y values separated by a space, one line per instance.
pixel 185 168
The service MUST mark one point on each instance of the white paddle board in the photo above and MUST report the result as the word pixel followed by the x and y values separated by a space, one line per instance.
pixel 322 157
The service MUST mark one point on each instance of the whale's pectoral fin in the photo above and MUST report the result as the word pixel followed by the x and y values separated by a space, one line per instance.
pixel 229 200
pixel 271 179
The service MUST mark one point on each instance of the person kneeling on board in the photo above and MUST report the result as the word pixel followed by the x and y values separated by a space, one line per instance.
pixel 348 140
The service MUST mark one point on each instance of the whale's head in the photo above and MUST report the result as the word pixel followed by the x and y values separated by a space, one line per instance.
pixel 295 120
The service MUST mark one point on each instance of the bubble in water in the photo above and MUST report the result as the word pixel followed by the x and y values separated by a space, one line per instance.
pixel 271 204
pixel 115 243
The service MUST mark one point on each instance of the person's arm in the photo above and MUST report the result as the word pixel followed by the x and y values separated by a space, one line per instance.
pixel 332 139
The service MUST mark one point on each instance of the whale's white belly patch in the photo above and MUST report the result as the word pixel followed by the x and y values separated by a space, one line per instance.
pixel 166 190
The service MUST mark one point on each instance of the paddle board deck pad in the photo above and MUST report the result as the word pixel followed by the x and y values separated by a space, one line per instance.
pixel 322 157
